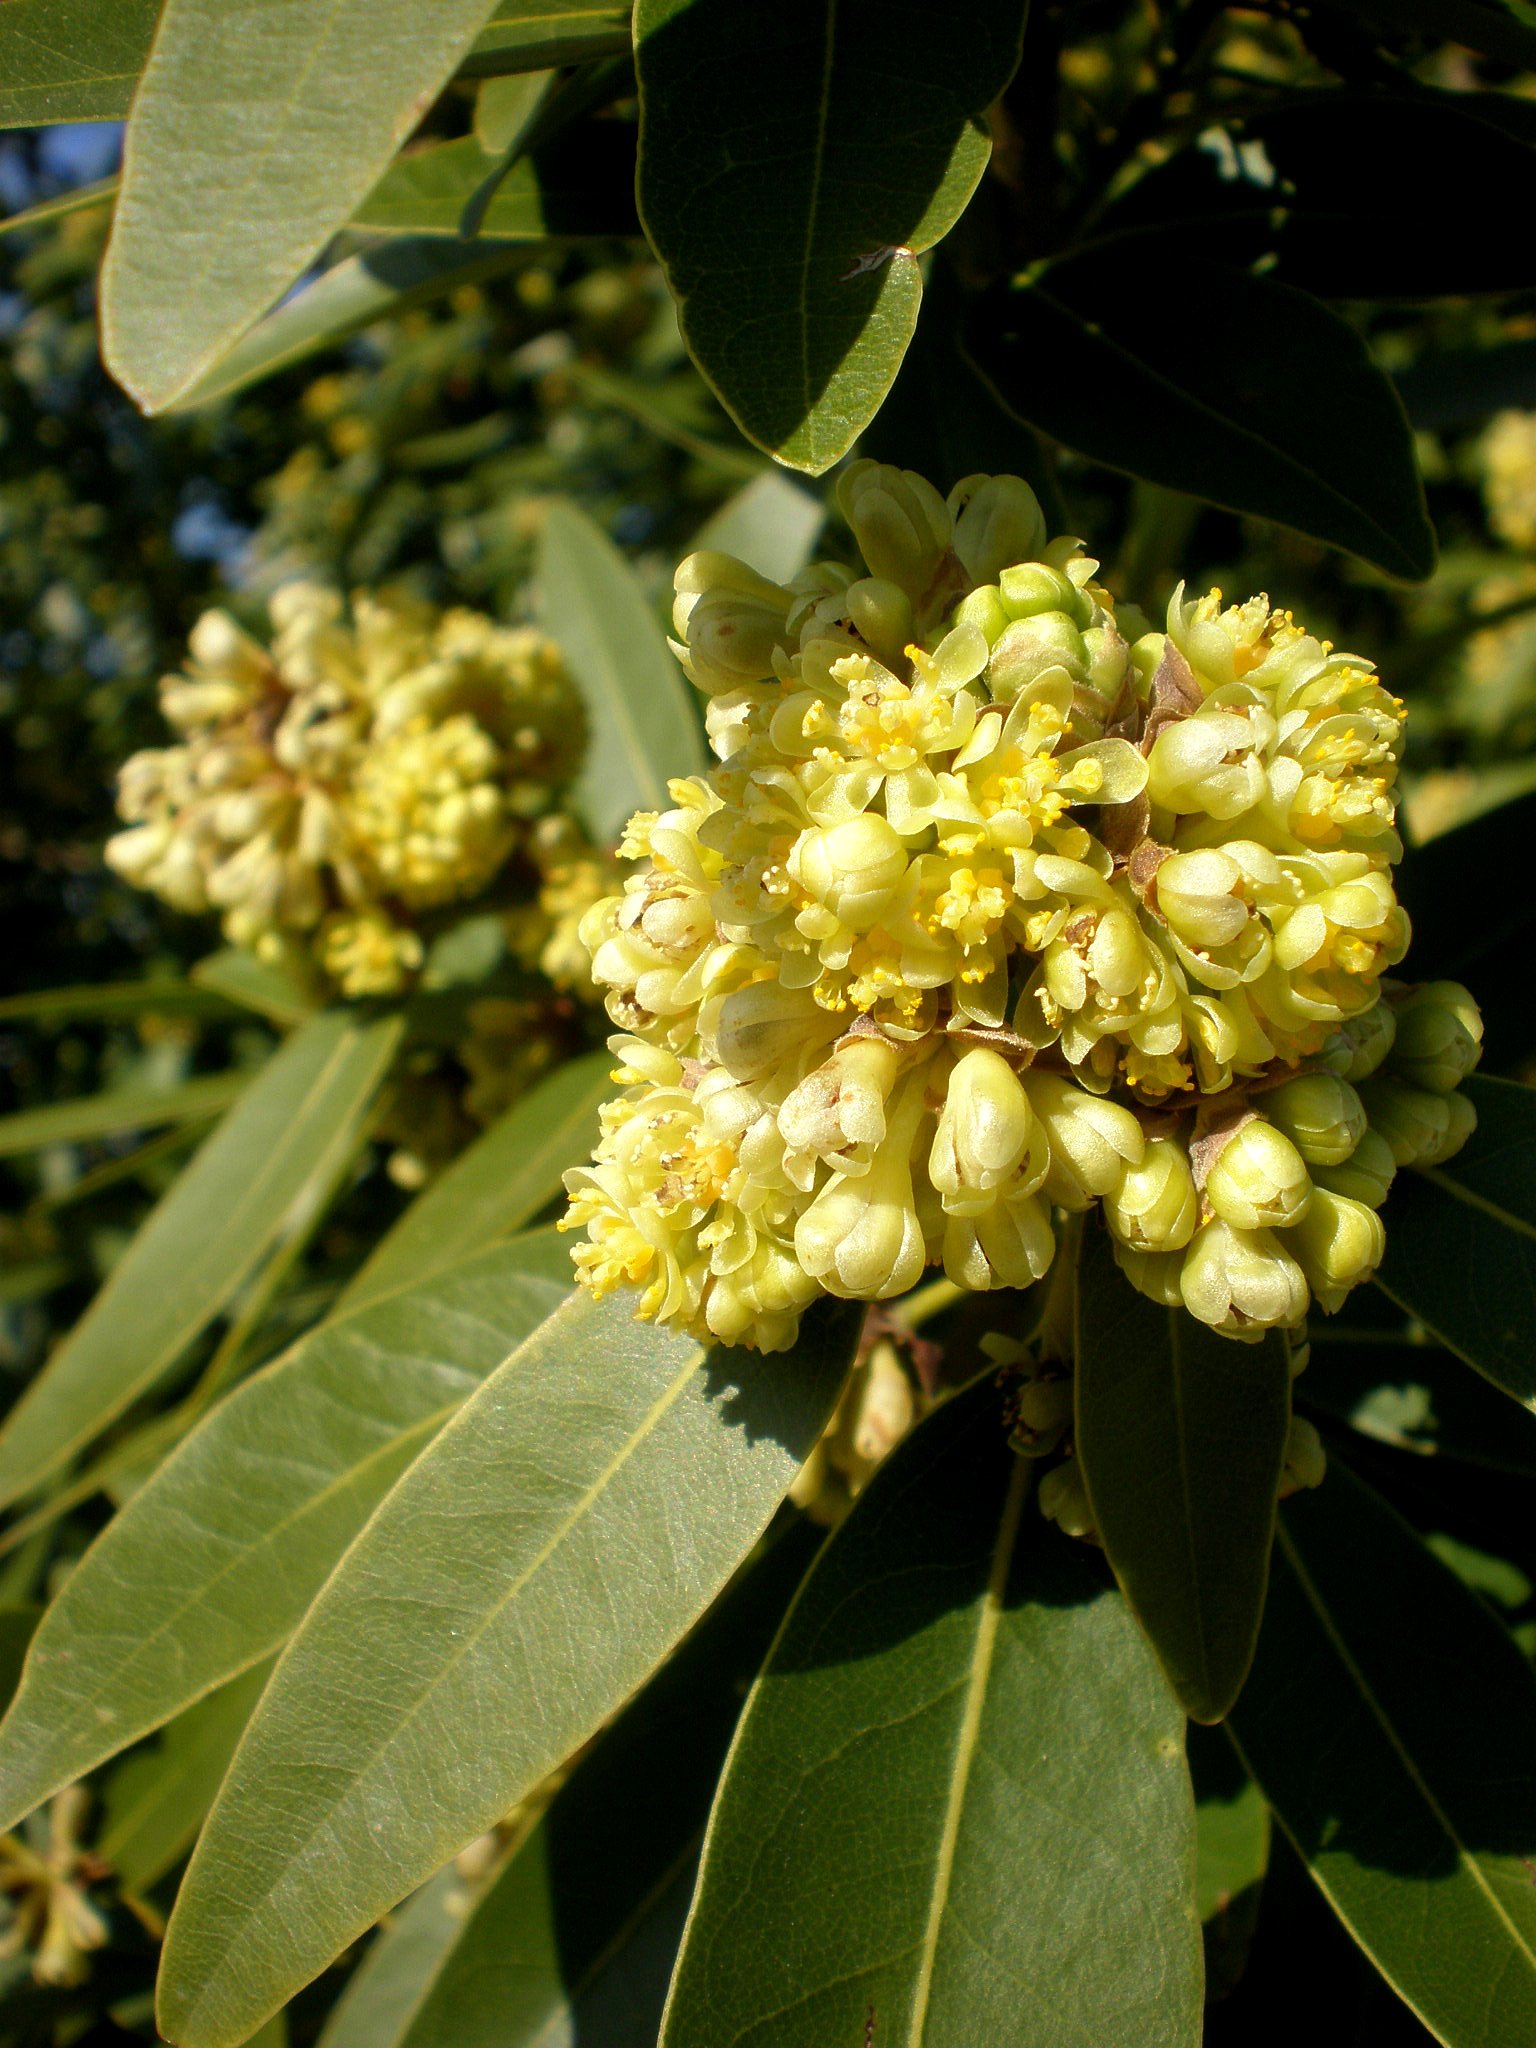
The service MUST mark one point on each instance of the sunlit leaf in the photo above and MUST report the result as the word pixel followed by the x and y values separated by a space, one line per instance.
pixel 71 60
pixel 201 1241
pixel 528 35
pixel 520 1581
pixel 771 524
pixel 119 1109
pixel 956 1809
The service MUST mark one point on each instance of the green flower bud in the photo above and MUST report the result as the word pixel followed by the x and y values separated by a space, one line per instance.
pixel 730 620
pixel 851 869
pixel 986 1130
pixel 997 521
pixel 899 520
pixel 1064 1499
pixel 1259 1180
pixel 763 1024
pixel 1008 1244
pixel 860 1237
pixel 1030 588
pixel 1365 1176
pixel 1043 1416
pixel 984 609
pixel 1092 1140
pixel 1305 1459
pixel 1338 1243
pixel 1242 1281
pixel 1321 1114
pixel 1030 647
pixel 1360 1044
pixel 1154 1274
pixel 882 615
pixel 1439 1036
pixel 1418 1125
pixel 1155 1207
pixel 837 1112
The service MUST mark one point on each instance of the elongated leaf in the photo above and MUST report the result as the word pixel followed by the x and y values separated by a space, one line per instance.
pixel 520 1581
pixel 1232 1859
pixel 1330 190
pixel 1461 1241
pixel 255 133
pixel 1181 1437
pixel 502 1181
pixel 213 1562
pixel 574 1937
pixel 119 1109
pixel 282 993
pixel 430 191
pixel 201 1240
pixel 645 727
pixel 154 1803
pixel 528 35
pixel 956 1808
pixel 385 1991
pixel 771 524
pixel 1414 1396
pixel 788 225
pixel 59 206
pixel 113 998
pixel 71 60
pixel 1231 387
pixel 1390 1723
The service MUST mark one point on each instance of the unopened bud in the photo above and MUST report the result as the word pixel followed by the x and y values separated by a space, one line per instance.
pixel 838 1111
pixel 1365 1176
pixel 986 1131
pixel 1338 1243
pixel 899 520
pixel 882 615
pixel 997 521
pixel 1092 1140
pixel 1155 1207
pixel 1259 1180
pixel 1154 1274
pixel 1200 896
pixel 762 1024
pixel 1439 1037
pixel 1009 1244
pixel 1210 762
pixel 1242 1281
pixel 1064 1499
pixel 1042 1417
pixel 851 869
pixel 1360 1044
pixel 1321 1115
pixel 1461 1123
pixel 1030 589
pixel 1305 1459
pixel 1031 646
pixel 860 1237
pixel 1420 1127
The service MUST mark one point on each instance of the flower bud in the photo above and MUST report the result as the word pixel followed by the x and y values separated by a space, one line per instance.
pixel 984 610
pixel 1154 1274
pixel 1439 1037
pixel 1042 1416
pixel 1242 1281
pixel 1417 1124
pixel 1365 1176
pixel 1155 1207
pixel 860 1237
pixel 731 619
pixel 899 520
pixel 762 1024
pixel 986 1130
pixel 1200 896
pixel 997 520
pixel 1064 1499
pixel 1092 1140
pixel 1305 1459
pixel 850 869
pixel 838 1112
pixel 1031 646
pixel 1008 1244
pixel 882 616
pixel 1360 1044
pixel 1259 1180
pixel 1029 589
pixel 1338 1243
pixel 1321 1114
pixel 1209 762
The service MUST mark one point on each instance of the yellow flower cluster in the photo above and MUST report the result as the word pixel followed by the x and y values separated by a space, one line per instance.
pixel 327 793
pixel 995 906
pixel 1509 477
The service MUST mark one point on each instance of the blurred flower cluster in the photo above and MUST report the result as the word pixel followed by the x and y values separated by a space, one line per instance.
pixel 1000 906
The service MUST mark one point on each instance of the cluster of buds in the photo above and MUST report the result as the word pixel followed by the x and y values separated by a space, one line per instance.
pixel 999 906
pixel 329 793
pixel 1509 477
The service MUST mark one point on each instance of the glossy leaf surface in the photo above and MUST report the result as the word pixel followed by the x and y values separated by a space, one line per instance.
pixel 519 1582
pixel 71 60
pixel 299 1116
pixel 528 35
pixel 118 1109
pixel 494 1187
pixel 644 724
pixel 1461 1241
pixel 213 1562
pixel 244 156
pixel 1231 387
pixel 1390 1723
pixel 1180 1435
pixel 788 224
pixel 956 1808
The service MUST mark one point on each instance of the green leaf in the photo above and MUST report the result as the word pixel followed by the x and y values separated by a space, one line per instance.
pixel 1236 389
pixel 62 204
pixel 201 1240
pixel 374 286
pixel 1461 1241
pixel 155 1801
pixel 113 998
pixel 71 60
pixel 528 35
pixel 1232 1858
pixel 283 994
pixel 213 1562
pixel 1181 1437
pixel 18 1624
pixel 644 723
pixel 520 1581
pixel 771 524
pixel 575 1935
pixel 500 1183
pixel 1403 1390
pixel 1390 1724
pixel 956 1808
pixel 254 135
pixel 1330 191
pixel 505 109
pixel 842 140
pixel 119 1109
pixel 429 192
pixel 383 1993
